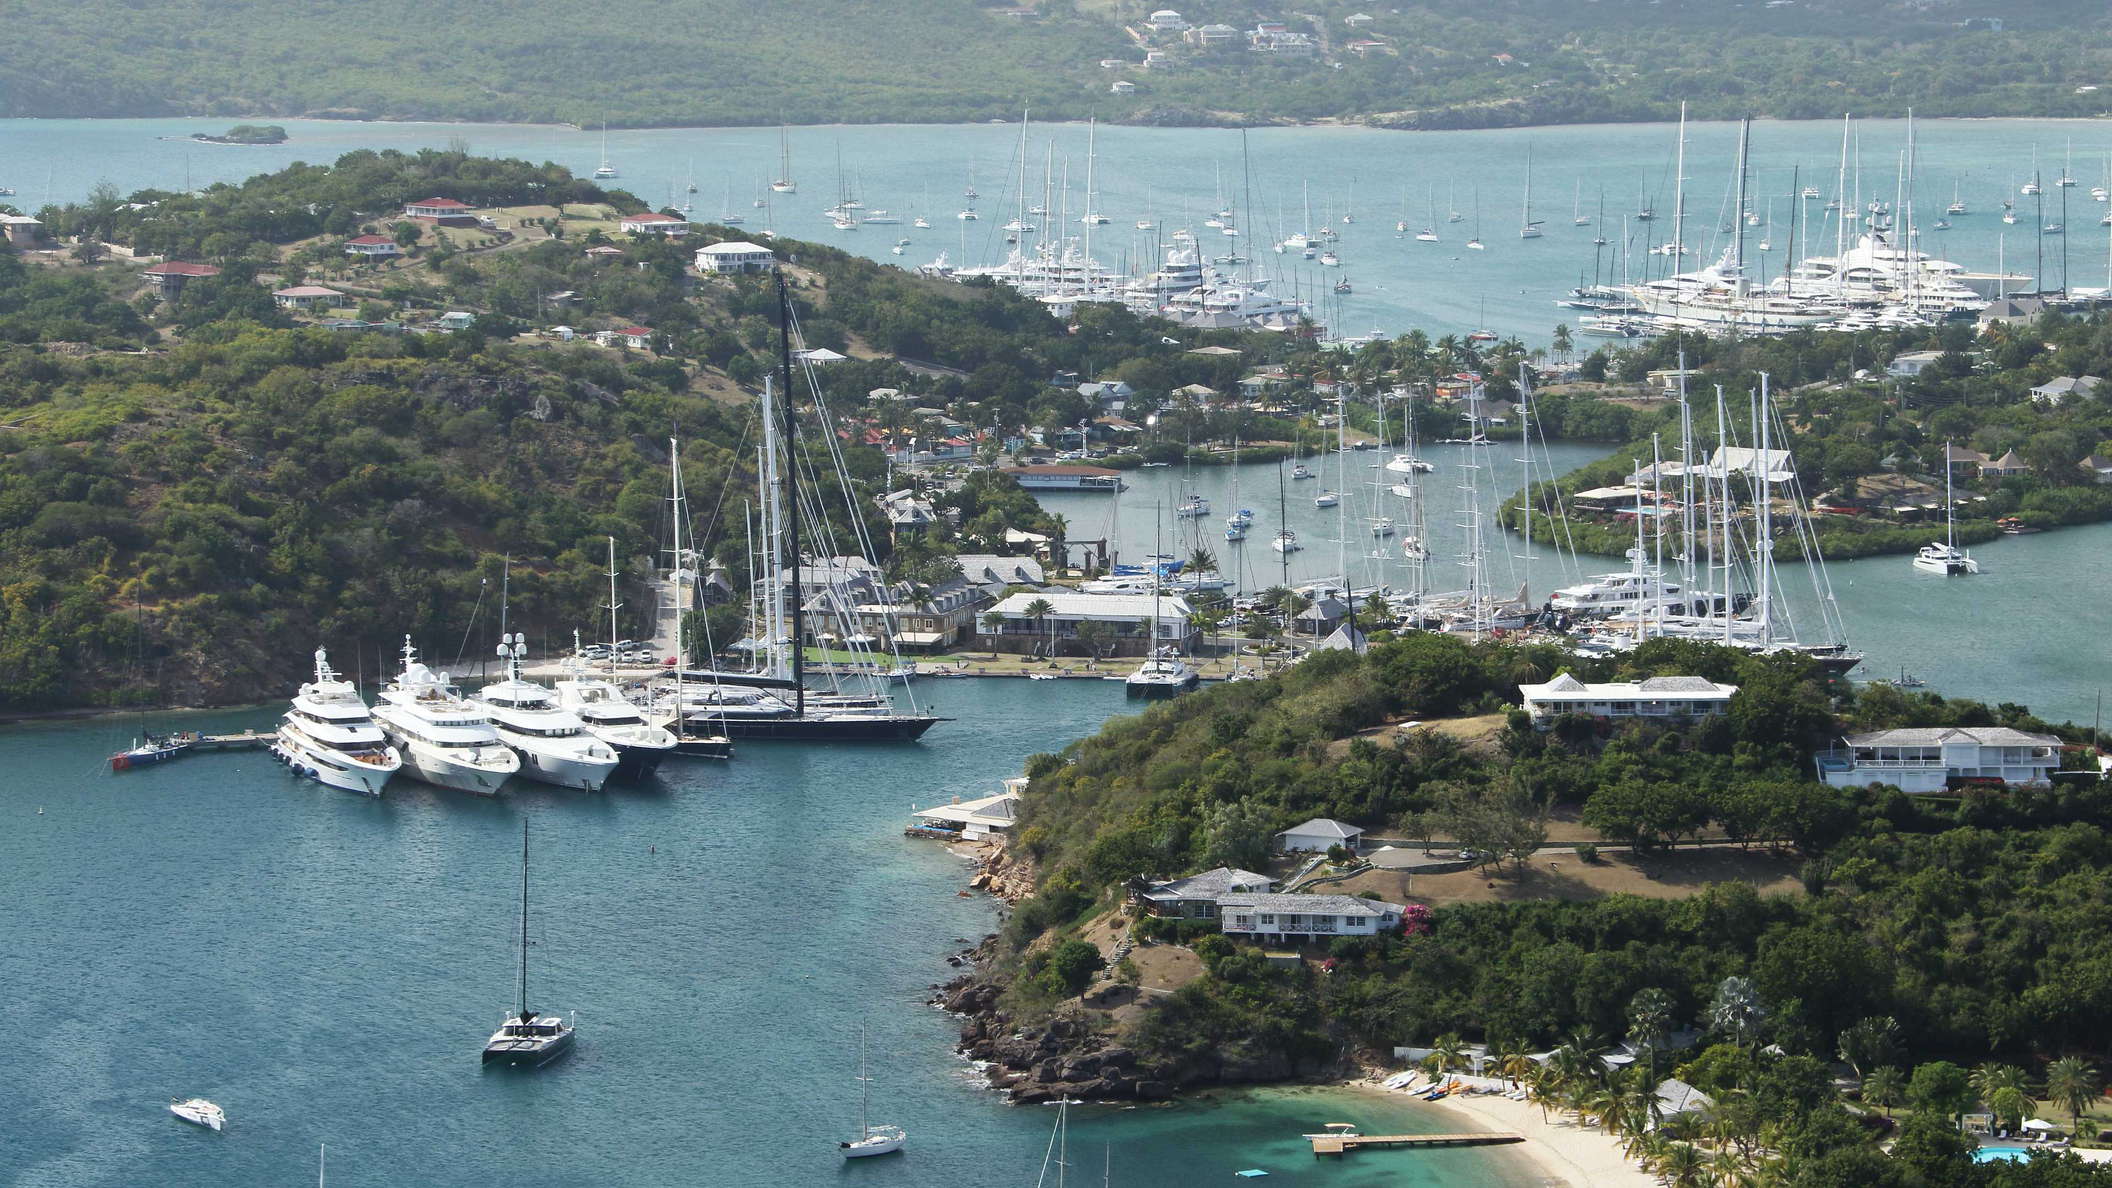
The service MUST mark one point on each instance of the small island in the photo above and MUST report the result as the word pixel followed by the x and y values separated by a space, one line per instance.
pixel 245 134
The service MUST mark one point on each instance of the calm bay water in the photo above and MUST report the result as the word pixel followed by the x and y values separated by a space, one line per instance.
pixel 1174 177
pixel 327 967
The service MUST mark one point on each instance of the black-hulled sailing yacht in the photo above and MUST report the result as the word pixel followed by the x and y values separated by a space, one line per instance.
pixel 527 1037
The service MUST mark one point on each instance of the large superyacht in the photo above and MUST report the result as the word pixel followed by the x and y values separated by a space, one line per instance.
pixel 329 735
pixel 444 740
pixel 554 744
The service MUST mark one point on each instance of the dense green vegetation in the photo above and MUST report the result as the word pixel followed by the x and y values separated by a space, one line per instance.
pixel 1966 929
pixel 246 134
pixel 1513 62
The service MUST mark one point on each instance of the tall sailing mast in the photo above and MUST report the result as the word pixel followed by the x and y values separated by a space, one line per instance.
pixel 788 495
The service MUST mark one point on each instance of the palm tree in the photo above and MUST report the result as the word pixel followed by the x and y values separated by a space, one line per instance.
pixel 1682 1166
pixel 1447 1052
pixel 1736 1012
pixel 993 623
pixel 1990 1078
pixel 1885 1087
pixel 1563 343
pixel 2073 1084
pixel 1514 1064
pixel 1039 610
pixel 1202 560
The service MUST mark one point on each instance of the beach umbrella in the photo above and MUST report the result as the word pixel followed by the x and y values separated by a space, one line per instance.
pixel 2039 1124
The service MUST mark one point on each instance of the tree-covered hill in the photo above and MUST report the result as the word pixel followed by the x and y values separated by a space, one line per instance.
pixel 648 62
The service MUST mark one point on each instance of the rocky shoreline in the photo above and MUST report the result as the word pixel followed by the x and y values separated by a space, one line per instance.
pixel 1067 1056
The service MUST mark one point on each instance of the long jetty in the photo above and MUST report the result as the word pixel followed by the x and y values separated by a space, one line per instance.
pixel 1342 1144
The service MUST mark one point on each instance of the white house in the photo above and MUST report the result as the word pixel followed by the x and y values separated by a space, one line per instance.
pixel 439 210
pixel 1122 86
pixel 1318 836
pixel 306 297
pixel 735 257
pixel 1211 36
pixel 653 223
pixel 1195 897
pixel 1358 20
pixel 1651 697
pixel 373 247
pixel 1929 759
pixel 1283 917
pixel 2098 467
pixel 630 338
pixel 1166 20
pixel 21 230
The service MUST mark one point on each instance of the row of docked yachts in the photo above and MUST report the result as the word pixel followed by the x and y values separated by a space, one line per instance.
pixel 578 734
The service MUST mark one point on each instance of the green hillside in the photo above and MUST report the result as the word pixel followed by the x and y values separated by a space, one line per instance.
pixel 647 62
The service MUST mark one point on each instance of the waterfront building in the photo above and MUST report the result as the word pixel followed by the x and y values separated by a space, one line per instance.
pixel 1066 478
pixel 1305 917
pixel 930 619
pixel 1670 697
pixel 1933 758
pixel 1318 836
pixel 976 820
pixel 1128 618
pixel 1196 896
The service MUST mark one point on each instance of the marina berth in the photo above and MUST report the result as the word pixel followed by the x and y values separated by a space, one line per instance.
pixel 553 742
pixel 329 735
pixel 443 739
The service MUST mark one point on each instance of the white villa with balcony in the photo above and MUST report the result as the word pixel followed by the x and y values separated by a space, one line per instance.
pixel 1305 917
pixel 1671 697
pixel 1931 758
pixel 1196 896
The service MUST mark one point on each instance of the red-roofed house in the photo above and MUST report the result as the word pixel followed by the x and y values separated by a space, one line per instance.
pixel 171 275
pixel 374 247
pixel 306 297
pixel 441 210
pixel 630 338
pixel 654 223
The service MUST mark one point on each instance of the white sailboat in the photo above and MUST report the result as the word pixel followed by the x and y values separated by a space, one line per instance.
pixel 528 1037
pixel 783 183
pixel 1529 227
pixel 604 171
pixel 1944 556
pixel 871 1140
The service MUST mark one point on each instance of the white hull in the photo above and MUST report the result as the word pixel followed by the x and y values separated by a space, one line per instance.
pixel 872 1146
pixel 427 766
pixel 584 772
pixel 335 768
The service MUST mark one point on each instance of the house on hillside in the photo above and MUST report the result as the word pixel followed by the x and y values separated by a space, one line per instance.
pixel 304 297
pixel 2006 466
pixel 372 247
pixel 1166 20
pixel 726 258
pixel 170 276
pixel 909 517
pixel 445 212
pixel 2054 392
pixel 1909 364
pixel 653 223
pixel 1318 836
pixel 1666 697
pixel 630 338
pixel 1933 758
pixel 1195 897
pixel 2098 467
pixel 1305 917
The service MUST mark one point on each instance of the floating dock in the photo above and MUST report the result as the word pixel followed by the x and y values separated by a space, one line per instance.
pixel 1342 1144
pixel 247 740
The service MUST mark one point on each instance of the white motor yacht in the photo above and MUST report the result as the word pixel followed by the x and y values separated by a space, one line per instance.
pixel 553 742
pixel 1286 542
pixel 443 739
pixel 329 735
pixel 639 745
pixel 200 1111
pixel 1615 593
pixel 1409 464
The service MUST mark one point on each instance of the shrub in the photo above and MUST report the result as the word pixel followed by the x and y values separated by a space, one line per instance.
pixel 1587 852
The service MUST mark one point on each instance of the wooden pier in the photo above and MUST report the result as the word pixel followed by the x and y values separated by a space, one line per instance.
pixel 1342 1144
pixel 247 740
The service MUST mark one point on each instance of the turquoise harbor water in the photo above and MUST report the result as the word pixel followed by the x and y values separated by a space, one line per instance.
pixel 326 967
pixel 1174 177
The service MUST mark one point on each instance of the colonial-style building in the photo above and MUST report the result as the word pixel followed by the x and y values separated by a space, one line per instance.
pixel 441 210
pixel 1932 758
pixel 735 257
pixel 1673 697
pixel 1127 618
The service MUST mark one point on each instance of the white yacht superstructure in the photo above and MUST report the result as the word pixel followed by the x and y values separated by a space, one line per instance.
pixel 553 742
pixel 444 740
pixel 1875 271
pixel 329 735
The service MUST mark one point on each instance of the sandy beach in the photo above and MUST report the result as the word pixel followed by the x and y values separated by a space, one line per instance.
pixel 1561 1151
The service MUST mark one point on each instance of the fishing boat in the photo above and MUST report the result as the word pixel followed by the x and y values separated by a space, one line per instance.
pixel 527 1037
pixel 200 1111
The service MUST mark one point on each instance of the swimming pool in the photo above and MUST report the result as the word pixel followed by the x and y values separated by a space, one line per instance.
pixel 2001 1155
